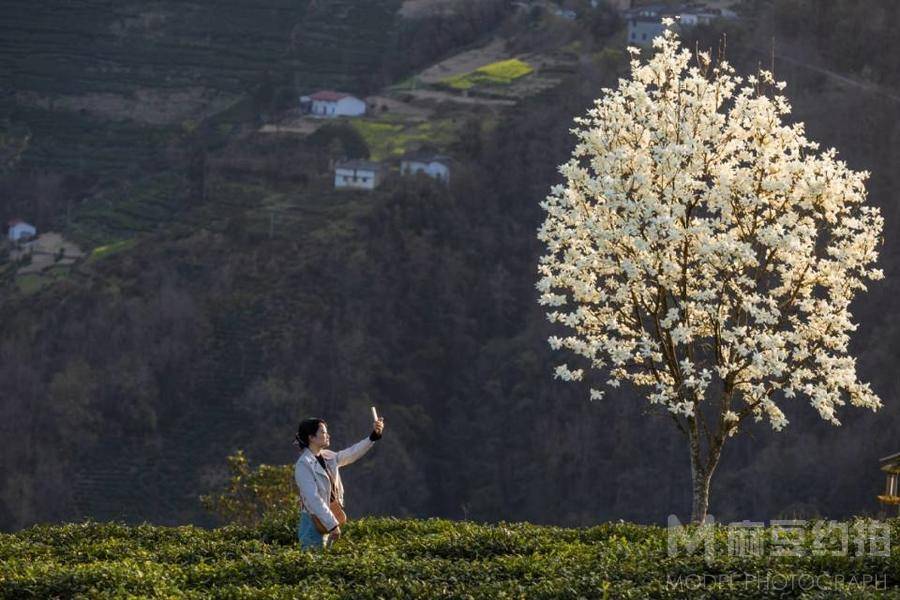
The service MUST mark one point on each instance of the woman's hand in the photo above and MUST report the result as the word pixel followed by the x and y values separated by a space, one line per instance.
pixel 377 428
pixel 332 536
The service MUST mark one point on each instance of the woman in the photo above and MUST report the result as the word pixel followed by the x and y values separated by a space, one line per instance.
pixel 319 480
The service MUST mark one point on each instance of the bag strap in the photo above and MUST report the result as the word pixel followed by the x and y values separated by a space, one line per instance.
pixel 331 496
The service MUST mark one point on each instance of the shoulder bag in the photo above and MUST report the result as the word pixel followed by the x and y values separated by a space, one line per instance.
pixel 336 509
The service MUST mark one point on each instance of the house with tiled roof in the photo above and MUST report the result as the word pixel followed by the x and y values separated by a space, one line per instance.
pixel 331 104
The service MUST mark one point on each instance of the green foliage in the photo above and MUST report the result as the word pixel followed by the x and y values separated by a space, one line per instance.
pixel 393 558
pixel 129 209
pixel 252 493
pixel 611 59
pixel 377 134
pixel 101 252
pixel 30 284
pixel 388 140
pixel 340 140
pixel 13 143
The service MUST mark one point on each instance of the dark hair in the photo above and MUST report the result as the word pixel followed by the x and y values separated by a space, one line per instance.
pixel 307 428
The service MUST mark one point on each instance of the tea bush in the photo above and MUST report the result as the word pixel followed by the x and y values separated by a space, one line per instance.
pixel 431 558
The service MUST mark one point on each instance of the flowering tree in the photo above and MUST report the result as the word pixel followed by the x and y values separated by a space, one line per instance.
pixel 704 251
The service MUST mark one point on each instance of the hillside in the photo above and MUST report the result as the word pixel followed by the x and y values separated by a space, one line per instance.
pixel 136 72
pixel 97 94
pixel 238 347
pixel 228 290
pixel 391 558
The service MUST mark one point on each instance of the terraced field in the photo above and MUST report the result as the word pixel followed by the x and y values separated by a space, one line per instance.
pixel 105 86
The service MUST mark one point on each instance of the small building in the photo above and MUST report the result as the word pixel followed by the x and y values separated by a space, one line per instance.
pixel 698 15
pixel 20 231
pixel 357 175
pixel 433 165
pixel 649 11
pixel 642 30
pixel 645 22
pixel 891 467
pixel 331 104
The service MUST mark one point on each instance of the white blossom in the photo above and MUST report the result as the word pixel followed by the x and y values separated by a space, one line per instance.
pixel 700 241
pixel 563 372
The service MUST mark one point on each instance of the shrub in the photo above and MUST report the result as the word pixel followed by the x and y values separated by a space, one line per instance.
pixel 251 493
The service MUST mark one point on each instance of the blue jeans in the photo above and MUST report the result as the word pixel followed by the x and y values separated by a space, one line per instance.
pixel 307 534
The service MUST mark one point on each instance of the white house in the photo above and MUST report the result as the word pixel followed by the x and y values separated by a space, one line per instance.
pixel 698 15
pixel 357 175
pixel 432 165
pixel 645 22
pixel 650 11
pixel 642 30
pixel 20 230
pixel 333 104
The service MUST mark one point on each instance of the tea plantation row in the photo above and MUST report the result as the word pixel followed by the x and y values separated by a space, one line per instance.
pixel 392 558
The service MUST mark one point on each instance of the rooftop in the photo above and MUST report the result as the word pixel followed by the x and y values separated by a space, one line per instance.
pixel 329 96
pixel 357 164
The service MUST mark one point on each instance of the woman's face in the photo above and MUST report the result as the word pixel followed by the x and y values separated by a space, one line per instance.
pixel 321 439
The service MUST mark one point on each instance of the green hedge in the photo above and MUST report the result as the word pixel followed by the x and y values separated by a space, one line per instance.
pixel 392 558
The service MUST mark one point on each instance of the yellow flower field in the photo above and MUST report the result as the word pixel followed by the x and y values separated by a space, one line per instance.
pixel 498 73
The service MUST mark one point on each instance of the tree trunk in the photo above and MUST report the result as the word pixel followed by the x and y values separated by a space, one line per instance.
pixel 701 473
pixel 700 502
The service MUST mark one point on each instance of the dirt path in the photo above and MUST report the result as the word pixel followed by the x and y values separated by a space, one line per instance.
pixel 301 126
pixel 439 97
pixel 395 107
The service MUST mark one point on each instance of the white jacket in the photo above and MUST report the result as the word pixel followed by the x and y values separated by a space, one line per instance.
pixel 313 482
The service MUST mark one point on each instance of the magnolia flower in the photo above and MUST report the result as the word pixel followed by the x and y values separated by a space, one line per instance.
pixel 702 249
